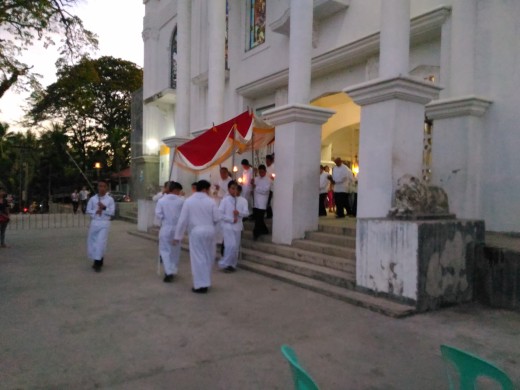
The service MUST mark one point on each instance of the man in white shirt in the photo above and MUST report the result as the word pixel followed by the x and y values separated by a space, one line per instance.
pixel 271 173
pixel 101 208
pixel 245 182
pixel 199 215
pixel 232 212
pixel 221 186
pixel 262 187
pixel 342 176
pixel 168 211
pixel 324 187
pixel 83 198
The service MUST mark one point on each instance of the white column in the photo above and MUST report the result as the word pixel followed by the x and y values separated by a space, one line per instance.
pixel 300 51
pixel 217 59
pixel 182 109
pixel 464 21
pixel 395 38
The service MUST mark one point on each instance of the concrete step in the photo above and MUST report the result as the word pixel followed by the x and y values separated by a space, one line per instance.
pixel 317 272
pixel 248 235
pixel 347 264
pixel 376 304
pixel 127 219
pixel 327 249
pixel 333 239
pixel 340 230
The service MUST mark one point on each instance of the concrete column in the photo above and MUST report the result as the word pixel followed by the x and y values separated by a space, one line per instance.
pixel 182 110
pixel 300 51
pixel 395 38
pixel 217 59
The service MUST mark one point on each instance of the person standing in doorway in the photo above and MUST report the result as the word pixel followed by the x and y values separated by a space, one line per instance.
pixel 271 173
pixel 75 201
pixel 199 216
pixel 232 211
pixel 341 178
pixel 247 177
pixel 4 216
pixel 262 187
pixel 324 186
pixel 168 211
pixel 83 198
pixel 101 208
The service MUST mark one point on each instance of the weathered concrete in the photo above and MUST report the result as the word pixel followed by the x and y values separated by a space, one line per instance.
pixel 65 327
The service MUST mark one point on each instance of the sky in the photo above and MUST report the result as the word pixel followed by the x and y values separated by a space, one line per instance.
pixel 118 24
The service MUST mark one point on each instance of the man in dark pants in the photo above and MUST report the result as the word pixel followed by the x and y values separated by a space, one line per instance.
pixel 261 188
pixel 324 184
pixel 341 177
pixel 269 162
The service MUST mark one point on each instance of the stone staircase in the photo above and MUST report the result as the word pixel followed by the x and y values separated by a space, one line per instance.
pixel 324 262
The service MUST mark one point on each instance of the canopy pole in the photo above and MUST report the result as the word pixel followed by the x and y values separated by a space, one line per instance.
pixel 171 165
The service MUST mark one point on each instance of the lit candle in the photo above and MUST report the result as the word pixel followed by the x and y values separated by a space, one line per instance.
pixel 240 180
pixel 235 169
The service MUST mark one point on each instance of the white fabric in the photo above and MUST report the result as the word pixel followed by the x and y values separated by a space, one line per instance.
pixel 223 187
pixel 167 211
pixel 324 182
pixel 232 240
pixel 157 196
pixel 83 195
pixel 342 177
pixel 247 175
pixel 199 215
pixel 270 170
pixel 99 226
pixel 262 188
pixel 231 230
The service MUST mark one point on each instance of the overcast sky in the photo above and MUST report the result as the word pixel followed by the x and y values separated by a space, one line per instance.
pixel 118 24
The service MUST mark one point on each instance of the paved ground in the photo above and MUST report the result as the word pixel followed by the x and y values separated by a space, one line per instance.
pixel 64 327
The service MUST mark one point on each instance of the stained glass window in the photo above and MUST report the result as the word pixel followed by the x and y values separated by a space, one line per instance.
pixel 173 59
pixel 256 22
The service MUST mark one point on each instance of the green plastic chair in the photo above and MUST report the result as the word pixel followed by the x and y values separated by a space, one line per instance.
pixel 470 368
pixel 302 380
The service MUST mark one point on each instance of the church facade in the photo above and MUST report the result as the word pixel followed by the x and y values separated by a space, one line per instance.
pixel 419 87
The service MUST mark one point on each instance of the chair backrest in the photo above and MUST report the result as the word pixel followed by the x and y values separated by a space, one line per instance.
pixel 302 380
pixel 470 368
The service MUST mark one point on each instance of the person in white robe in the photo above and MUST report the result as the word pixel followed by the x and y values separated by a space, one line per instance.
pixel 221 187
pixel 199 216
pixel 324 187
pixel 271 173
pixel 246 182
pixel 231 214
pixel 101 208
pixel 262 186
pixel 341 178
pixel 168 211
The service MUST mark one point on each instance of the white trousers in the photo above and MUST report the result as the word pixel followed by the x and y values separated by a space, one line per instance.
pixel 231 247
pixel 170 253
pixel 202 255
pixel 97 239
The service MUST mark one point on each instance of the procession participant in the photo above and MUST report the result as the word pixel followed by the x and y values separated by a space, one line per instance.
pixel 221 186
pixel 164 190
pixel 231 213
pixel 271 173
pixel 74 197
pixel 83 199
pixel 101 208
pixel 167 211
pixel 199 215
pixel 324 186
pixel 247 176
pixel 341 178
pixel 262 186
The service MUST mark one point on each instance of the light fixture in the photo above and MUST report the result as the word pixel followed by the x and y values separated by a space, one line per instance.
pixel 235 169
pixel 153 145
pixel 240 180
pixel 97 165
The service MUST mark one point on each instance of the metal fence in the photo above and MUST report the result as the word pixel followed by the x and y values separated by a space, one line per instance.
pixel 59 216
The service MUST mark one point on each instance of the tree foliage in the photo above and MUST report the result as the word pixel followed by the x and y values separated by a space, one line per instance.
pixel 23 22
pixel 92 101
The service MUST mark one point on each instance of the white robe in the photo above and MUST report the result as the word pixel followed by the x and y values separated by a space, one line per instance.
pixel 199 215
pixel 168 211
pixel 342 177
pixel 262 189
pixel 99 226
pixel 247 175
pixel 232 230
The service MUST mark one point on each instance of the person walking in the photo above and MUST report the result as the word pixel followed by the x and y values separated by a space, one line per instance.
pixel 83 198
pixel 4 216
pixel 75 201
pixel 232 211
pixel 199 215
pixel 341 178
pixel 101 208
pixel 324 185
pixel 262 187
pixel 168 211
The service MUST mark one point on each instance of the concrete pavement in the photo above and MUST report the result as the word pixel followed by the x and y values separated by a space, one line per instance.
pixel 65 327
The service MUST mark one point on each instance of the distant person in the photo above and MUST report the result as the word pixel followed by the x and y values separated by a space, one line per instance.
pixel 162 191
pixel 232 211
pixel 262 187
pixel 342 176
pixel 271 173
pixel 75 201
pixel 330 191
pixel 247 176
pixel 199 216
pixel 221 186
pixel 83 199
pixel 193 188
pixel 324 188
pixel 4 216
pixel 168 211
pixel 101 208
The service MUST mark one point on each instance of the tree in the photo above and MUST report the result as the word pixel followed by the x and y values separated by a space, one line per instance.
pixel 23 22
pixel 92 101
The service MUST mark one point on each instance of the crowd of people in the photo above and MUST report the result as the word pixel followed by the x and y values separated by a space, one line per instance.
pixel 338 191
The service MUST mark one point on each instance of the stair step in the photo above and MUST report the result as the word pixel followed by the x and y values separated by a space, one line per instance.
pixel 327 249
pixel 324 274
pixel 248 235
pixel 333 239
pixel 347 264
pixel 376 304
pixel 339 230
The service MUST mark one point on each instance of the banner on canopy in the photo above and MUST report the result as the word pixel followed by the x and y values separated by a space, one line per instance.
pixel 240 134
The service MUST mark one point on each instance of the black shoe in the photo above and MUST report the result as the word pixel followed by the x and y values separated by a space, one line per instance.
pixel 229 270
pixel 168 279
pixel 97 265
pixel 202 290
